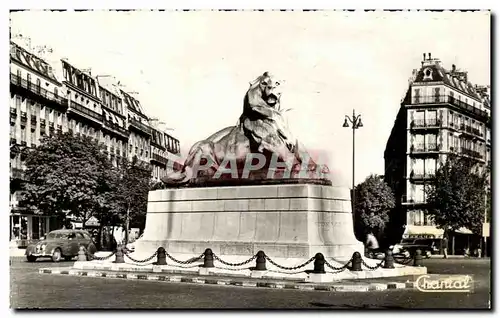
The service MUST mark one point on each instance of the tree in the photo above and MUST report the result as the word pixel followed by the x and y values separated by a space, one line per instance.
pixel 66 175
pixel 130 196
pixel 457 198
pixel 374 201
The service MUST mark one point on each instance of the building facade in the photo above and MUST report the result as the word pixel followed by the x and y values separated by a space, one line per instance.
pixel 442 113
pixel 47 98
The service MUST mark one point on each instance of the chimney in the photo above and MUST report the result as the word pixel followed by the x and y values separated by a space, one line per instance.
pixel 424 57
pixel 430 56
pixel 453 68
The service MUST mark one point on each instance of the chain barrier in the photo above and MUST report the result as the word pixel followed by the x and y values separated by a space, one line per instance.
pixel 289 268
pixel 372 268
pixel 338 269
pixel 103 258
pixel 235 264
pixel 189 261
pixel 141 261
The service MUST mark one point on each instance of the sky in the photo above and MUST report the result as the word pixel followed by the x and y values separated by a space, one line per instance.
pixel 192 69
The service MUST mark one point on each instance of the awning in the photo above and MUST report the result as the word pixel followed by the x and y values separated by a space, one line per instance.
pixel 427 231
pixel 463 230
pixel 92 222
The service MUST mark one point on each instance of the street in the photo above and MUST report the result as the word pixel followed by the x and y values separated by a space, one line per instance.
pixel 29 289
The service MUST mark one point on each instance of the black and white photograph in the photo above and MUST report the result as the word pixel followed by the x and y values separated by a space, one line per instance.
pixel 305 159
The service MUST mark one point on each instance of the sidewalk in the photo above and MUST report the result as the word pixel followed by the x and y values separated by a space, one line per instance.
pixel 17 252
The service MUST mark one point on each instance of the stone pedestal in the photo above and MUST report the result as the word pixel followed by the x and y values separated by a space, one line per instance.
pixel 284 221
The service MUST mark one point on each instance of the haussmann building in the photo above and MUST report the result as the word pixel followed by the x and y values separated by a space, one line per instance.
pixel 441 113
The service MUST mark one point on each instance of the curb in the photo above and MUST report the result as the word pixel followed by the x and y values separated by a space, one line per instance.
pixel 210 280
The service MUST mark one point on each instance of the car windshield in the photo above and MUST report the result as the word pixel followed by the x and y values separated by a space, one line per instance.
pixel 57 235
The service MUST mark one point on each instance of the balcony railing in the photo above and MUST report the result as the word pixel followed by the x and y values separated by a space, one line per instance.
pixel 437 99
pixel 422 176
pixel 140 126
pixel 158 158
pixel 86 111
pixel 429 123
pixel 13 112
pixel 42 122
pixel 24 117
pixel 410 199
pixel 471 153
pixel 40 91
pixel 33 119
pixel 115 127
pixel 429 147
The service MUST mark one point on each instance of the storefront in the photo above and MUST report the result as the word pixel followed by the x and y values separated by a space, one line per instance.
pixel 25 227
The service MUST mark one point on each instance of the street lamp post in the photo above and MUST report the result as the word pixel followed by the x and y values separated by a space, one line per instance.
pixel 355 123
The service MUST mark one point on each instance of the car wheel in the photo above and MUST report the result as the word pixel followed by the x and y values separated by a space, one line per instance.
pixel 56 255
pixel 31 258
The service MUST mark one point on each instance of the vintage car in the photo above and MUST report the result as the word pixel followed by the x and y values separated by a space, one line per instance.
pixel 428 247
pixel 60 244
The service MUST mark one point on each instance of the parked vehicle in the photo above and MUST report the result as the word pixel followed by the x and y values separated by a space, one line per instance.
pixel 60 244
pixel 426 246
pixel 399 250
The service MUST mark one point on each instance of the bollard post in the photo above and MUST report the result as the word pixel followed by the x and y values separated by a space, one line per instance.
pixel 119 255
pixel 161 256
pixel 418 259
pixel 356 262
pixel 208 259
pixel 389 259
pixel 260 263
pixel 319 264
pixel 82 256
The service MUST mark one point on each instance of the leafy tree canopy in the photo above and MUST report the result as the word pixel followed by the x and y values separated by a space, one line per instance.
pixel 374 201
pixel 66 174
pixel 131 188
pixel 458 197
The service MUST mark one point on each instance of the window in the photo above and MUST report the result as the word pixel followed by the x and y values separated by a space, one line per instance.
pixel 19 75
pixel 23 134
pixel 23 105
pixel 418 167
pixel 55 91
pixel 38 84
pixel 28 77
pixel 431 141
pixel 419 141
pixel 432 117
pixel 430 166
pixel 419 193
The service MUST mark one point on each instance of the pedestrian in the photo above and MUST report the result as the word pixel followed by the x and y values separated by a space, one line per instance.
pixel 372 244
pixel 445 246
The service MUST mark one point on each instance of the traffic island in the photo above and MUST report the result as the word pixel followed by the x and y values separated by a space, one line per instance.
pixel 348 286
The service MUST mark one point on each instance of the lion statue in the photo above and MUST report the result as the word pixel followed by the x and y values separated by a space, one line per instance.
pixel 261 129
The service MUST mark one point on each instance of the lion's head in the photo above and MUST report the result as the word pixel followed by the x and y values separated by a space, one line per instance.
pixel 269 88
